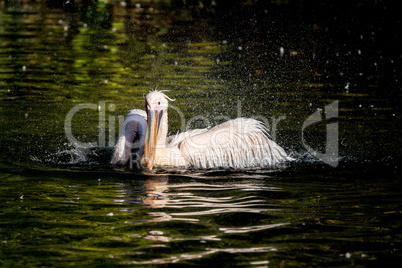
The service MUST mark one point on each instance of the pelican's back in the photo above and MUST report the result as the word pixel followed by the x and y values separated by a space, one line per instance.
pixel 238 143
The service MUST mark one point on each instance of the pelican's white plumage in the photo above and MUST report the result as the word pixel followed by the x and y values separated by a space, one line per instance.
pixel 237 143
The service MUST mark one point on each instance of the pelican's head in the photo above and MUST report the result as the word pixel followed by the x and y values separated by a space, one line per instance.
pixel 156 104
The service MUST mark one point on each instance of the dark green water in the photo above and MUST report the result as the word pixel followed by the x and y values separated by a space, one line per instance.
pixel 63 205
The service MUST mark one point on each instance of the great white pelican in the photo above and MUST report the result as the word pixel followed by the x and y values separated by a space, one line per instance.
pixel 237 143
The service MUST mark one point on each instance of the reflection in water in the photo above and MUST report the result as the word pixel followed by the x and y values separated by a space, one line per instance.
pixel 161 194
pixel 192 202
pixel 155 189
pixel 143 219
pixel 250 228
pixel 183 257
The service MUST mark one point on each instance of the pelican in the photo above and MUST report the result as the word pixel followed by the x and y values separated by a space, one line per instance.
pixel 237 143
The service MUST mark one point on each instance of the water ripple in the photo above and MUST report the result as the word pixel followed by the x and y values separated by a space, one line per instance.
pixel 248 229
pixel 209 251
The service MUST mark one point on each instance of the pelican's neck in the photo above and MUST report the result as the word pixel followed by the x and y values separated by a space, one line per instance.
pixel 161 142
pixel 165 154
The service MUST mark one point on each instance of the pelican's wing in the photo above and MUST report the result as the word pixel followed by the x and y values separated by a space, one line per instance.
pixel 131 135
pixel 122 152
pixel 174 140
pixel 237 143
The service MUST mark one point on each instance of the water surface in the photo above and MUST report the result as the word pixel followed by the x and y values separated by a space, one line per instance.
pixel 65 205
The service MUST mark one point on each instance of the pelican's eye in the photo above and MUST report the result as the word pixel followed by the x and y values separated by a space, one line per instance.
pixel 159 103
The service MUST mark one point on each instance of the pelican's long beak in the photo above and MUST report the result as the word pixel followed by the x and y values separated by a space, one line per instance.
pixel 151 136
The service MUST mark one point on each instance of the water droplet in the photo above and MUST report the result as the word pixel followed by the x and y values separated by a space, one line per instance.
pixel 348 255
pixel 281 51
pixel 24 68
pixel 123 4
pixel 110 214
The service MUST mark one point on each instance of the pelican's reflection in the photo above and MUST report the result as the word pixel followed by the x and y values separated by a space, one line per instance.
pixel 192 201
pixel 159 196
pixel 156 188
pixel 191 207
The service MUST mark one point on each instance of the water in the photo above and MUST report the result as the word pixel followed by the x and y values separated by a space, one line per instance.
pixel 62 205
